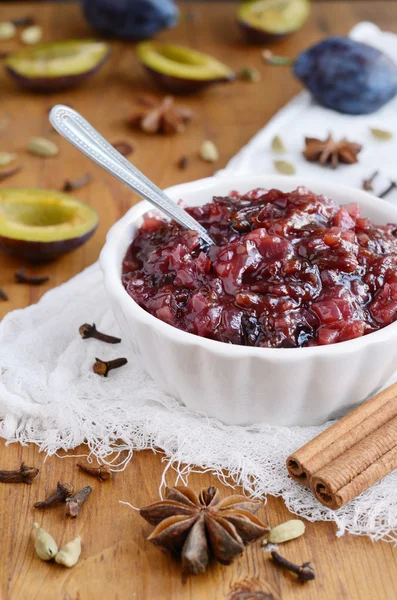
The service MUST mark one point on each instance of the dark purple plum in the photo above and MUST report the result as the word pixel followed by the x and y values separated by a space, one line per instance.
pixel 347 76
pixel 130 19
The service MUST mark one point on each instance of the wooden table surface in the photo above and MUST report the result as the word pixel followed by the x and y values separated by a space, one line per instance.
pixel 117 562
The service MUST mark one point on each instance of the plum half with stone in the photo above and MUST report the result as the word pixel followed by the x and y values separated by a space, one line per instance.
pixel 57 65
pixel 181 70
pixel 264 21
pixel 40 225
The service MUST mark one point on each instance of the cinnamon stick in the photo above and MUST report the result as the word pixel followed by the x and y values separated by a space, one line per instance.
pixel 349 457
pixel 341 436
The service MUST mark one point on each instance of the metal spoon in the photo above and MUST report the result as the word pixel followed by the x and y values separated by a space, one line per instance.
pixel 72 126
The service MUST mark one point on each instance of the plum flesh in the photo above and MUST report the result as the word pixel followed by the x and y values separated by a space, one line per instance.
pixel 347 76
pixel 288 270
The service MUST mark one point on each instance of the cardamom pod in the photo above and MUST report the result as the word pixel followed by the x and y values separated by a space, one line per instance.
pixel 381 134
pixel 31 35
pixel 45 545
pixel 7 30
pixel 282 166
pixel 277 145
pixel 209 152
pixel 249 74
pixel 42 147
pixel 69 554
pixel 6 158
pixel 286 531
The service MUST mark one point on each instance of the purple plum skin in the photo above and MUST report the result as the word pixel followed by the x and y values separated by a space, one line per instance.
pixel 347 76
pixel 54 84
pixel 42 251
pixel 253 35
pixel 181 86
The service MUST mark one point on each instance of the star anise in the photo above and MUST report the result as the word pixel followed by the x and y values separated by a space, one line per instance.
pixel 198 527
pixel 163 117
pixel 330 151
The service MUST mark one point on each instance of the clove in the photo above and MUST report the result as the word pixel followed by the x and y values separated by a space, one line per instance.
pixel 101 472
pixel 389 189
pixel 74 502
pixel 90 331
pixel 305 572
pixel 63 491
pixel 367 183
pixel 4 173
pixel 23 475
pixel 23 21
pixel 3 295
pixel 102 367
pixel 183 162
pixel 76 184
pixel 123 147
pixel 22 277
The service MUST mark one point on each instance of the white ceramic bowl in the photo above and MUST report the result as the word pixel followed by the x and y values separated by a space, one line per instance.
pixel 246 385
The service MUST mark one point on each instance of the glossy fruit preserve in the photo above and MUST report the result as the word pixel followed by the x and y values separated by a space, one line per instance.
pixel 288 270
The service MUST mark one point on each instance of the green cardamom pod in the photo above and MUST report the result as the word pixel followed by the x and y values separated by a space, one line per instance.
pixel 45 545
pixel 277 145
pixel 282 166
pixel 209 152
pixel 286 531
pixel 381 134
pixel 7 30
pixel 42 147
pixel 31 35
pixel 69 554
pixel 6 158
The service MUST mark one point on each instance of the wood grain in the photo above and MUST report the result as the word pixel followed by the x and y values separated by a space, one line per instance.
pixel 117 562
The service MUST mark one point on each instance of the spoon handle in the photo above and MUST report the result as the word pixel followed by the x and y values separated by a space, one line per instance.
pixel 72 126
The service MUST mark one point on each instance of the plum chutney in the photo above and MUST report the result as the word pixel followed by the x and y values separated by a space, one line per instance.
pixel 288 270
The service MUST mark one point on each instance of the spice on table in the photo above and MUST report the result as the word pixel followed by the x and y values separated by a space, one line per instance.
pixel 63 491
pixel 249 74
pixel 23 475
pixel 330 151
pixel 305 572
pixel 45 545
pixel 102 367
pixel 4 173
pixel 23 21
pixel 123 147
pixel 90 331
pixel 161 117
pixel 202 526
pixel 3 295
pixel 74 503
pixel 32 35
pixel 41 146
pixel 277 145
pixel 69 554
pixel 285 532
pixel 7 30
pixel 367 183
pixel 6 158
pixel 22 277
pixel 75 184
pixel 381 134
pixel 183 162
pixel 389 189
pixel 209 152
pixel 102 473
pixel 285 167
pixel 351 455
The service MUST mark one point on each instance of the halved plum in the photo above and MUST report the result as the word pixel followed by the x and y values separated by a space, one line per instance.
pixel 264 21
pixel 57 65
pixel 39 225
pixel 181 70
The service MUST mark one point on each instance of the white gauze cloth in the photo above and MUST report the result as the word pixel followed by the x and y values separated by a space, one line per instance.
pixel 50 396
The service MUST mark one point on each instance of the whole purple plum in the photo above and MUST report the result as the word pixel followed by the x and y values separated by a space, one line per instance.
pixel 130 19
